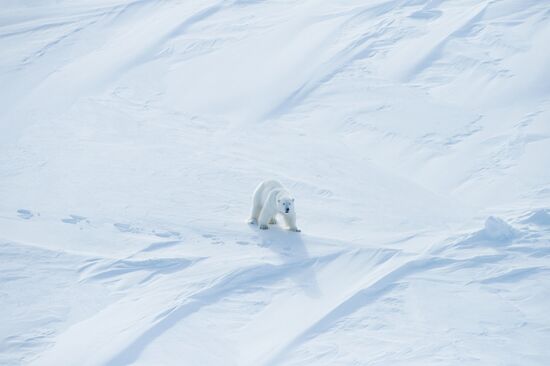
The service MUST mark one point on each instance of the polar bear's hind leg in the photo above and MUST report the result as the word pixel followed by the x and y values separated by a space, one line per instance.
pixel 256 205
pixel 256 209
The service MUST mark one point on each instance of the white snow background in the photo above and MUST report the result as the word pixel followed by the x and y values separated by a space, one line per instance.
pixel 414 134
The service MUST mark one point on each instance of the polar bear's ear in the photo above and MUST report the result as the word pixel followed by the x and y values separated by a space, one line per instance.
pixel 293 200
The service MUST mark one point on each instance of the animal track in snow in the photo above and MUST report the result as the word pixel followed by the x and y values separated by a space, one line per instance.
pixel 127 228
pixel 74 219
pixel 213 238
pixel 325 193
pixel 25 214
pixel 166 234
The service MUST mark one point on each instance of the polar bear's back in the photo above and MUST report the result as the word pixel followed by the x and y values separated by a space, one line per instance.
pixel 270 185
pixel 266 187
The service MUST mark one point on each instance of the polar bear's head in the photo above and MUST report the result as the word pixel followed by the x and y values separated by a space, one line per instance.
pixel 285 205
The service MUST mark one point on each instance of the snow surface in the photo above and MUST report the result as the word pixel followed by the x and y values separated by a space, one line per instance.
pixel 413 134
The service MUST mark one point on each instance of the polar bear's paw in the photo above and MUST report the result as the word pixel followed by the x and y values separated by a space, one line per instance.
pixel 252 221
pixel 264 227
pixel 273 221
pixel 296 230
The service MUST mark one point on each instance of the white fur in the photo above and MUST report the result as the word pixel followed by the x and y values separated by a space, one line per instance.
pixel 271 199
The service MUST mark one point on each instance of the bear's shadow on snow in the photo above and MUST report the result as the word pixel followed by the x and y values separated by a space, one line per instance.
pixel 291 247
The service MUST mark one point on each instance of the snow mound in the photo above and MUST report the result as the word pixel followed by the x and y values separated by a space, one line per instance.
pixel 495 233
pixel 539 217
pixel 496 229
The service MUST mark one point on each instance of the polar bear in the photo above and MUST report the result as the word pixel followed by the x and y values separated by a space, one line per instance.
pixel 271 199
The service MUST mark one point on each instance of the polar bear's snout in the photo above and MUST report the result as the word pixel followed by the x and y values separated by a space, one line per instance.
pixel 285 205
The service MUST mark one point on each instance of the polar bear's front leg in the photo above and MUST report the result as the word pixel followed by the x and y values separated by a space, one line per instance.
pixel 291 222
pixel 265 216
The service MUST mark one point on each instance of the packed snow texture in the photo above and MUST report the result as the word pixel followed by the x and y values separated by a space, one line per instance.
pixel 413 134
